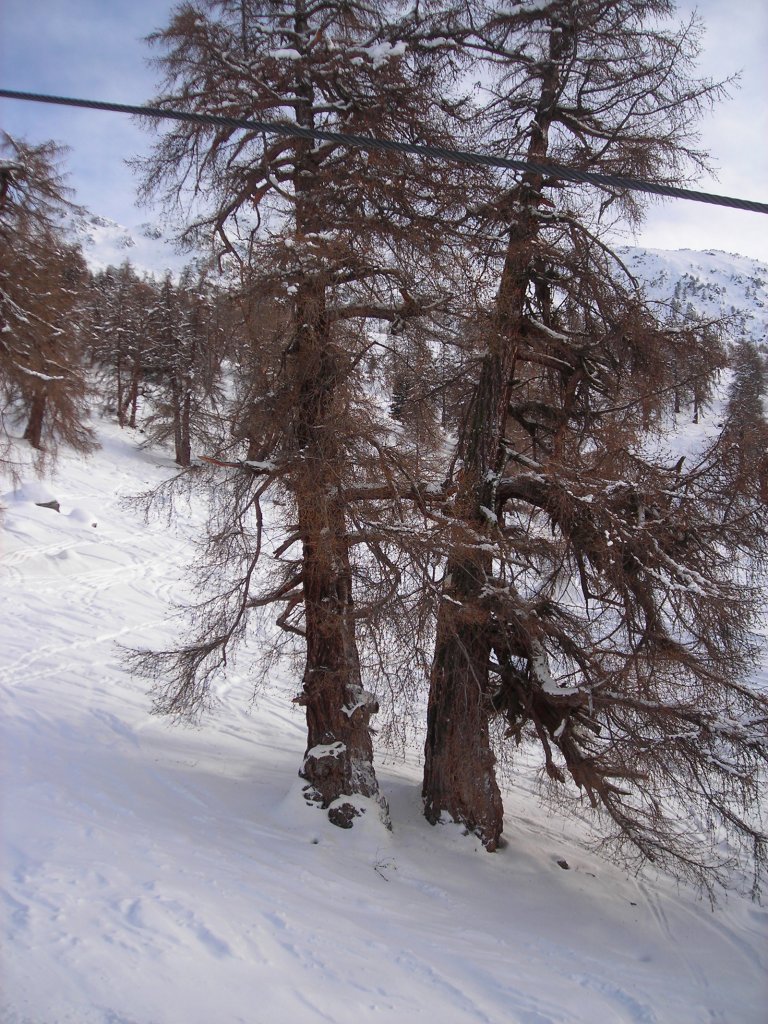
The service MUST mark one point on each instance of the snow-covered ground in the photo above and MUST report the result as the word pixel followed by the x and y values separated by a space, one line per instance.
pixel 161 875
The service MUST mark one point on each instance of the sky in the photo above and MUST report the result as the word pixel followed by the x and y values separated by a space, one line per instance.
pixel 95 49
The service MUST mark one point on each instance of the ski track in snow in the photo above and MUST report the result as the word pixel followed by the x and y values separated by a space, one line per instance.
pixel 168 875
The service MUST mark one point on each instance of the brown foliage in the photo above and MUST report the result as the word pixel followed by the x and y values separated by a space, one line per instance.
pixel 591 595
pixel 42 279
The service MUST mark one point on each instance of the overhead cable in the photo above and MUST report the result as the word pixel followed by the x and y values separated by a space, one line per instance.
pixel 365 142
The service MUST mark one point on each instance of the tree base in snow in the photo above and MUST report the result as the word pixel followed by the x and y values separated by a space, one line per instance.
pixel 344 809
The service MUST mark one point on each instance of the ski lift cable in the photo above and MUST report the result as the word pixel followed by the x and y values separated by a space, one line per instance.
pixel 369 143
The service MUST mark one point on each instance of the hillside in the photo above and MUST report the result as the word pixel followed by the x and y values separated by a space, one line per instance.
pixel 714 284
pixel 160 875
pixel 107 243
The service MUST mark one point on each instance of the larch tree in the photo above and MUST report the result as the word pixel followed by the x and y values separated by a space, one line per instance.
pixel 330 242
pixel 121 313
pixel 42 285
pixel 745 432
pixel 185 365
pixel 599 598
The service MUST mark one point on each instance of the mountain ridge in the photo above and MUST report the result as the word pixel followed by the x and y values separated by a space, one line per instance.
pixel 713 283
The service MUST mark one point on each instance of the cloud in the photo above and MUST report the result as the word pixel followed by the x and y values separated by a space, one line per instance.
pixel 735 134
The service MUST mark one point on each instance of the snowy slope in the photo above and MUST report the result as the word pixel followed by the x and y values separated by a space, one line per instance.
pixel 106 243
pixel 159 875
pixel 714 283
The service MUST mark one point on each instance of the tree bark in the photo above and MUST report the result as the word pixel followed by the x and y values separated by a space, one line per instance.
pixel 459 777
pixel 339 757
pixel 34 429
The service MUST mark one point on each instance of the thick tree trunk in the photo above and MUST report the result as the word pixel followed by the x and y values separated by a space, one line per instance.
pixel 339 758
pixel 459 777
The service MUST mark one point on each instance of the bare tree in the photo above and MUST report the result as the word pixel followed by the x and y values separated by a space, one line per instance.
pixel 598 597
pixel 328 242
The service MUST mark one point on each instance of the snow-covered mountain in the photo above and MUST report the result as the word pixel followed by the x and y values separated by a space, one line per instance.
pixel 713 283
pixel 107 243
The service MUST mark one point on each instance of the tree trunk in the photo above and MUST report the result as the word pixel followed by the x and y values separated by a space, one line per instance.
pixel 132 401
pixel 120 382
pixel 339 757
pixel 180 407
pixel 183 439
pixel 459 777
pixel 34 429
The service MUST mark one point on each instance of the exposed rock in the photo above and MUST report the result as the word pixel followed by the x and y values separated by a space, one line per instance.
pixel 343 815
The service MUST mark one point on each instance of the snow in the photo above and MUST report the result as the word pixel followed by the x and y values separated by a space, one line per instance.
pixel 489 515
pixel 380 53
pixel 321 750
pixel 365 700
pixel 154 874
pixel 540 669
pixel 285 54
pixel 36 373
pixel 714 283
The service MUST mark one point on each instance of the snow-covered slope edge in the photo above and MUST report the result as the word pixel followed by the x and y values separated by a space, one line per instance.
pixel 158 875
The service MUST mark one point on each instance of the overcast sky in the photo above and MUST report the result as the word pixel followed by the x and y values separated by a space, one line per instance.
pixel 95 49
